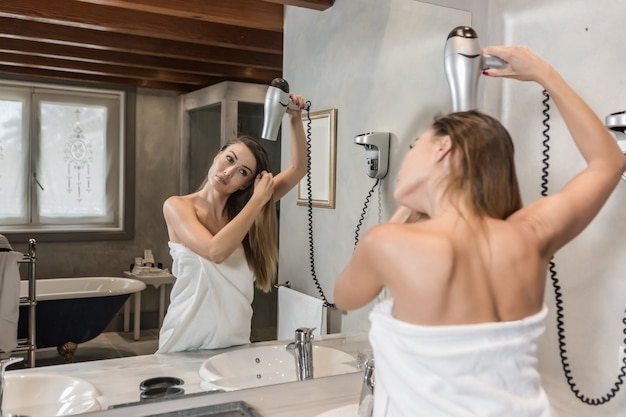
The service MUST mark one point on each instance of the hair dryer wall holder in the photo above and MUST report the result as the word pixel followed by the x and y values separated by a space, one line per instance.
pixel 376 152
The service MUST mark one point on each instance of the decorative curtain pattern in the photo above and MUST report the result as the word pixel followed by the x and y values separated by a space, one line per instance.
pixel 72 161
pixel 79 156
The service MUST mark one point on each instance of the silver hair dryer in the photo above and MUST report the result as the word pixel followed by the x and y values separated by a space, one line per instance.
pixel 276 103
pixel 463 64
pixel 617 123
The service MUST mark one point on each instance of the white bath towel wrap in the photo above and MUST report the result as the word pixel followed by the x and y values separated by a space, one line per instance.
pixel 477 370
pixel 211 304
pixel 296 309
pixel 9 299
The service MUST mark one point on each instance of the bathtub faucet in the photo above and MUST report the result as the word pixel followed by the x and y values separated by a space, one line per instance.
pixel 3 365
pixel 303 352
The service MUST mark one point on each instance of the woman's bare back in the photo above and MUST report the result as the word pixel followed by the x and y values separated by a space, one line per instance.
pixel 466 272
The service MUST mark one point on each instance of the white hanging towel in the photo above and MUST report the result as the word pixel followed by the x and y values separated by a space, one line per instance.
pixel 296 309
pixel 9 299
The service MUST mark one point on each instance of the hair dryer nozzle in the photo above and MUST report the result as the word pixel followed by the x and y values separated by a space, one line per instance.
pixel 280 83
pixel 616 121
pixel 463 32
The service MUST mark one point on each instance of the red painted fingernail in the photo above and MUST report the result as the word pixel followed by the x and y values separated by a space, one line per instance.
pixel 485 72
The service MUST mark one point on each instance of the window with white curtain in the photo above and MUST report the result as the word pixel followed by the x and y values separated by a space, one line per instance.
pixel 62 161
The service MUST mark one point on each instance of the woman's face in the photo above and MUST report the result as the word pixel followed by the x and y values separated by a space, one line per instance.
pixel 416 168
pixel 233 169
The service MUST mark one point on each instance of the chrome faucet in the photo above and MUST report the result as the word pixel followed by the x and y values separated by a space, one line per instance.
pixel 3 365
pixel 303 352
pixel 366 403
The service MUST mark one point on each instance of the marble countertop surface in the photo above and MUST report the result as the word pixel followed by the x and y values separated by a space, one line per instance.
pixel 118 381
pixel 309 398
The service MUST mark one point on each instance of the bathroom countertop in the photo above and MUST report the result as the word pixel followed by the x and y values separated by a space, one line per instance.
pixel 302 399
pixel 118 381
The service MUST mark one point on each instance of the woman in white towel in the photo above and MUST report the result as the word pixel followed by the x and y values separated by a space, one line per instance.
pixel 466 264
pixel 223 241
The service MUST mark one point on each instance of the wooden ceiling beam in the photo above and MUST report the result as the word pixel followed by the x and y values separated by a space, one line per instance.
pixel 99 41
pixel 100 69
pixel 113 19
pixel 45 75
pixel 166 44
pixel 308 4
pixel 35 48
pixel 254 14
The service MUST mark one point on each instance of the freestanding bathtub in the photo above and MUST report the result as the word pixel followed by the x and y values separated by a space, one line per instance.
pixel 75 310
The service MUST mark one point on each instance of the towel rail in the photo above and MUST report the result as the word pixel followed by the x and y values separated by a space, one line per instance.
pixel 29 344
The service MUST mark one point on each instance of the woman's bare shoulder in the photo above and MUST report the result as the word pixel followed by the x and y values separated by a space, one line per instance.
pixel 179 205
pixel 180 200
pixel 418 240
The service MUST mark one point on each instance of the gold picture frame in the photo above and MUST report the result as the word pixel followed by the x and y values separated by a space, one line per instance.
pixel 323 149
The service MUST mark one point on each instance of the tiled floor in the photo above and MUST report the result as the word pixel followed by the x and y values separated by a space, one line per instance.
pixel 105 346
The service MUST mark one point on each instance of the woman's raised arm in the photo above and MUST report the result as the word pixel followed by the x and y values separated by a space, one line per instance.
pixel 557 219
pixel 291 176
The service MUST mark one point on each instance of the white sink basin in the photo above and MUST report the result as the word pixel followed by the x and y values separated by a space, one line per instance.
pixel 265 365
pixel 45 395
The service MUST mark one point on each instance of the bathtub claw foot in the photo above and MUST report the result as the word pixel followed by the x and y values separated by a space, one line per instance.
pixel 67 351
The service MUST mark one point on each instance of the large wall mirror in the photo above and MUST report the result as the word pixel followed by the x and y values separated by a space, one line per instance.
pixel 232 105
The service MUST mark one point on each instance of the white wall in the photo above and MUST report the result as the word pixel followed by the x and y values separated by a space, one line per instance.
pixel 582 40
pixel 380 64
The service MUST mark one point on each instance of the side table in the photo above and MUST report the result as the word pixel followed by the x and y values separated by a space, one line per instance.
pixel 156 279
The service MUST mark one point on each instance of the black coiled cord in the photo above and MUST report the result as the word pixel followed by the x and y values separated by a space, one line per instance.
pixel 310 209
pixel 558 295
pixel 546 145
pixel 364 211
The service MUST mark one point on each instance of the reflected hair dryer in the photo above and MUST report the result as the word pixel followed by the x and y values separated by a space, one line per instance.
pixel 464 64
pixel 276 103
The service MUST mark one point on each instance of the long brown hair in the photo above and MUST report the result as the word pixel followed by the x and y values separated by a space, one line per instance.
pixel 261 242
pixel 487 166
